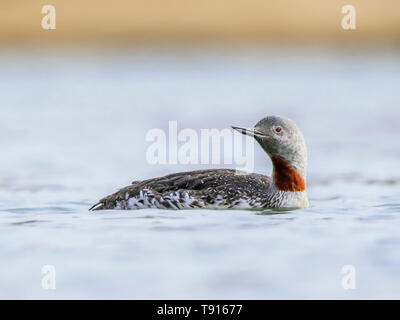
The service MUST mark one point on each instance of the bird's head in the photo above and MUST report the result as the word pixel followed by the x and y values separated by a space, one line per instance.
pixel 283 141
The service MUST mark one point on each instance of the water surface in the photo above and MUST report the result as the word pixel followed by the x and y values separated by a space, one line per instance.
pixel 72 129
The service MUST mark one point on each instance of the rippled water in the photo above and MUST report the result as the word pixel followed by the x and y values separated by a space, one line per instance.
pixel 72 129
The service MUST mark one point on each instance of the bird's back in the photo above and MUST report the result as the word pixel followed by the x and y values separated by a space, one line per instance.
pixel 219 188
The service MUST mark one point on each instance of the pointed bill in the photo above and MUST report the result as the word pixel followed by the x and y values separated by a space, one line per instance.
pixel 252 132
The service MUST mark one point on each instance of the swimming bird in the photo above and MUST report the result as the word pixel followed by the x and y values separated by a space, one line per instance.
pixel 279 137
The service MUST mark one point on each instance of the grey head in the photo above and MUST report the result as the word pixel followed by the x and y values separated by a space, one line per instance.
pixel 281 139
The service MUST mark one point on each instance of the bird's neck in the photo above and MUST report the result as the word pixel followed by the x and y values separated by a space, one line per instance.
pixel 286 177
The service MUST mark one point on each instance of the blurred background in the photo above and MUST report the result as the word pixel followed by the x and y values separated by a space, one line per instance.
pixel 76 104
pixel 124 22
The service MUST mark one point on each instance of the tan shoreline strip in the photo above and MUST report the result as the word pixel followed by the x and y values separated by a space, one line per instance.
pixel 243 20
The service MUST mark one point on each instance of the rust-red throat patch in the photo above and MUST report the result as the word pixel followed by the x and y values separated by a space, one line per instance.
pixel 286 178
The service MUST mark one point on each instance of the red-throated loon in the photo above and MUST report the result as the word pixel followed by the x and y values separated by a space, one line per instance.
pixel 280 138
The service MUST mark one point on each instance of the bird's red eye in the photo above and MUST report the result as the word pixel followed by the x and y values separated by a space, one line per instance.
pixel 278 129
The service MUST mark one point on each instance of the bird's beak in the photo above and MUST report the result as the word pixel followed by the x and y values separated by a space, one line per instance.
pixel 252 132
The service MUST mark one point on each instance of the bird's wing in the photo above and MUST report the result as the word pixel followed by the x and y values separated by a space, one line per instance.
pixel 201 183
